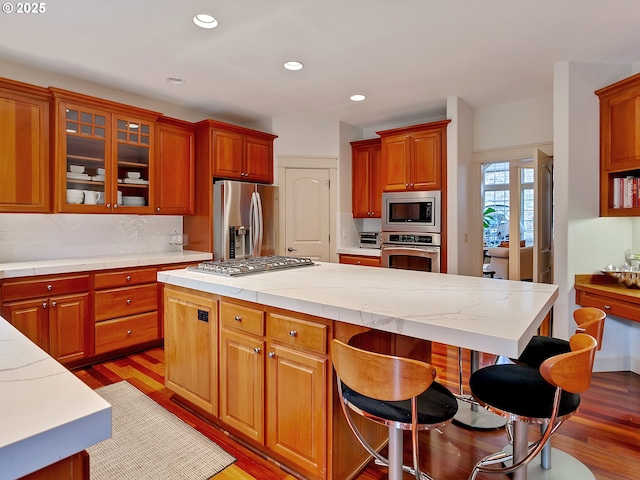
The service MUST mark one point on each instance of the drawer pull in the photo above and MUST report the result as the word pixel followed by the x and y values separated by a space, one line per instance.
pixel 293 333
pixel 238 318
pixel 272 354
pixel 129 332
pixel 607 307
pixel 128 278
pixel 49 287
pixel 128 301
pixel 256 350
pixel 54 303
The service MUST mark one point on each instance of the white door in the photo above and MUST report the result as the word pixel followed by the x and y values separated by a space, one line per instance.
pixel 307 206
pixel 543 219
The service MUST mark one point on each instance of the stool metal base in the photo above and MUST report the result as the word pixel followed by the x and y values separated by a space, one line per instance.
pixel 470 415
pixel 563 467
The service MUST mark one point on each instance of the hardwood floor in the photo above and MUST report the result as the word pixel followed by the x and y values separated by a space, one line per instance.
pixel 604 434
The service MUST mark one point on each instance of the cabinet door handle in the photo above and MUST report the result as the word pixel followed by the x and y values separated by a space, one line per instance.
pixel 54 303
pixel 607 307
pixel 128 278
pixel 128 301
pixel 129 332
pixel 44 304
pixel 238 318
pixel 256 350
pixel 293 333
pixel 272 354
pixel 406 184
pixel 412 185
pixel 108 205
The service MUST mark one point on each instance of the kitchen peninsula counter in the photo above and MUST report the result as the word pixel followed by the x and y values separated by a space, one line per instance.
pixel 489 315
pixel 103 262
pixel 46 413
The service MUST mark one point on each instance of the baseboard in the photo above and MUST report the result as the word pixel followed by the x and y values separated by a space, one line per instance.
pixel 616 363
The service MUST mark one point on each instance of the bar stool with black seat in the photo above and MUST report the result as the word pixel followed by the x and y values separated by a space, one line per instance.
pixel 400 393
pixel 589 320
pixel 525 394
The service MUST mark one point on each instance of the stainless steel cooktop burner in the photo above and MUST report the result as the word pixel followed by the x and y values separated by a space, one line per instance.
pixel 245 266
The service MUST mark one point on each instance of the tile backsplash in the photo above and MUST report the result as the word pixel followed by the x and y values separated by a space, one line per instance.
pixel 26 237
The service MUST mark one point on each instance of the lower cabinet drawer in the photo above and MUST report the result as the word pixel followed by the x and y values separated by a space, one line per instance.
pixel 126 332
pixel 610 306
pixel 360 260
pixel 294 331
pixel 120 302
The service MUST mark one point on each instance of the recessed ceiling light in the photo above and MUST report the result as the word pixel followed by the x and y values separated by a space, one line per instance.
pixel 205 21
pixel 175 81
pixel 357 98
pixel 293 65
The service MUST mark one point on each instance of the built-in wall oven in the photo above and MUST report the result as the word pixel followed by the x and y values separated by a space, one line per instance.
pixel 410 235
pixel 411 251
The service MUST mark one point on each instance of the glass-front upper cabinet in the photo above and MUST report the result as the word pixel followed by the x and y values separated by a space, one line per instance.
pixel 134 143
pixel 103 156
pixel 86 157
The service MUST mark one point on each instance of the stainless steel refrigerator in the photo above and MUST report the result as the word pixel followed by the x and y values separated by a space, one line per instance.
pixel 245 219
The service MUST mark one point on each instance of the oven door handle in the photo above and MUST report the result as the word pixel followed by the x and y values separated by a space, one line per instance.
pixel 411 249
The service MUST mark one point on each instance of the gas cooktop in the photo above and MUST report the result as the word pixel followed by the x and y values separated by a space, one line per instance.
pixel 245 266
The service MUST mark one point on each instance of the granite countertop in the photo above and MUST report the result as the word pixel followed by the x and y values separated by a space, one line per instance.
pixel 86 264
pixel 46 412
pixel 484 314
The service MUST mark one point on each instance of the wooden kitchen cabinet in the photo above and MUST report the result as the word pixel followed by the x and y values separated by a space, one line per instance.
pixel 242 369
pixel 24 148
pixel 366 178
pixel 237 153
pixel 174 190
pixel 106 141
pixel 125 309
pixel 297 400
pixel 191 347
pixel 620 147
pixel 242 383
pixel 414 158
pixel 52 312
pixel 365 260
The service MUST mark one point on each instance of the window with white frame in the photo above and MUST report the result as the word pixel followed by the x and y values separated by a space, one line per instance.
pixel 496 187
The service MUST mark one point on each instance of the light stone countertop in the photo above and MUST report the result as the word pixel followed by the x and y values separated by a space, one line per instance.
pixel 367 252
pixel 484 314
pixel 86 264
pixel 46 412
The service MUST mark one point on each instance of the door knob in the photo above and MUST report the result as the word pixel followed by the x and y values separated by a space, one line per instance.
pixel 291 249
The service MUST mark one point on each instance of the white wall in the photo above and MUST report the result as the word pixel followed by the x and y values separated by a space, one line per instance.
pixel 460 253
pixel 584 242
pixel 526 122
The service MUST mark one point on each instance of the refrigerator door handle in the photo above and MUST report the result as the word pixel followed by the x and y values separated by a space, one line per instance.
pixel 260 223
pixel 255 216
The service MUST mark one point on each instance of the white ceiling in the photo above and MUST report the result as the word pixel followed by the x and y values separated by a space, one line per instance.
pixel 406 56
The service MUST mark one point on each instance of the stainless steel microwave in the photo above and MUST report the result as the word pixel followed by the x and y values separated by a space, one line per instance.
pixel 416 211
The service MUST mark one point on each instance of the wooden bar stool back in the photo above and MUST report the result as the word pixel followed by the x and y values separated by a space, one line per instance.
pixel 397 392
pixel 524 394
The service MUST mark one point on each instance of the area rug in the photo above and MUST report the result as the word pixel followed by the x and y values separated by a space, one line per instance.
pixel 149 442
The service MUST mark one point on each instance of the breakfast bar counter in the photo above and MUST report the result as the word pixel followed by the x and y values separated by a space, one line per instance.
pixel 488 315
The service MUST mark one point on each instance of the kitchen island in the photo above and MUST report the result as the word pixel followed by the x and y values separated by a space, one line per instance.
pixel 489 315
pixel 251 353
